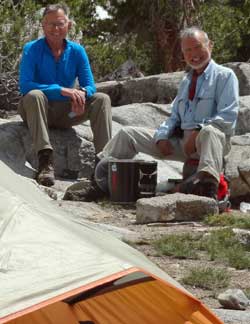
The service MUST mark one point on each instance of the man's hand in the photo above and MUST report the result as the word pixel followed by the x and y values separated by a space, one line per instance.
pixel 78 99
pixel 165 147
pixel 189 146
pixel 77 109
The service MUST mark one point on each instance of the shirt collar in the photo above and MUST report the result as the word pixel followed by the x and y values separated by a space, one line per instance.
pixel 208 70
pixel 65 41
pixel 65 52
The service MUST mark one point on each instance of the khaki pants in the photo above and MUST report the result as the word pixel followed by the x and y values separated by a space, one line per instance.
pixel 211 145
pixel 40 114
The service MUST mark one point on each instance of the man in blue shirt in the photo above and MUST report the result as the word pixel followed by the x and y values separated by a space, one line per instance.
pixel 49 69
pixel 203 118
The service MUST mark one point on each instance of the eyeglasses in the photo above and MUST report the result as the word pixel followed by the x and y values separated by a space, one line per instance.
pixel 60 24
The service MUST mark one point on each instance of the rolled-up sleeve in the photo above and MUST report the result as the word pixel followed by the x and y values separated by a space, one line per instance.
pixel 167 127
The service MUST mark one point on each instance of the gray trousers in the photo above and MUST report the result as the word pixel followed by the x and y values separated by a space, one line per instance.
pixel 40 114
pixel 211 147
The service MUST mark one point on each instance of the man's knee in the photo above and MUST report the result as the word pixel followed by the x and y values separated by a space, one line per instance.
pixel 102 100
pixel 34 94
pixel 123 138
pixel 210 130
pixel 126 132
pixel 32 97
pixel 210 134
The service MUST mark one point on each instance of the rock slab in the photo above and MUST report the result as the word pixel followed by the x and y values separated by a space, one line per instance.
pixel 233 299
pixel 174 207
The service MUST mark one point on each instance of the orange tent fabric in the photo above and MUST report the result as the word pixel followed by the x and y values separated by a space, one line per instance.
pixel 143 301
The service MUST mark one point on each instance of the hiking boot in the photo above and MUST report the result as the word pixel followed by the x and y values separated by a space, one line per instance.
pixel 45 175
pixel 209 189
pixel 88 192
pixel 201 187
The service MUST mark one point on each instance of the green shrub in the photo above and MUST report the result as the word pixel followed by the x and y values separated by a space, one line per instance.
pixel 207 277
pixel 235 219
pixel 183 246
pixel 223 245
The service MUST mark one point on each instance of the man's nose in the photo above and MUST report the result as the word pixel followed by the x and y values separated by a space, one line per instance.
pixel 55 26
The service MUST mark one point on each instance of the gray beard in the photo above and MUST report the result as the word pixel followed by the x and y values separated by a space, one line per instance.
pixel 203 64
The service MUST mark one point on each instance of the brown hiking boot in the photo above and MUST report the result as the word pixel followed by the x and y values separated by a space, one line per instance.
pixel 45 176
pixel 201 187
pixel 209 189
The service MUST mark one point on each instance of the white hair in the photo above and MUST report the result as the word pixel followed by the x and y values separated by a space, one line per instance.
pixel 192 31
pixel 55 7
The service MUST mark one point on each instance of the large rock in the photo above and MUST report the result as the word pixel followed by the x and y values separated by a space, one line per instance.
pixel 174 207
pixel 73 149
pixel 160 88
pixel 242 70
pixel 237 166
pixel 243 121
pixel 233 299
pixel 145 114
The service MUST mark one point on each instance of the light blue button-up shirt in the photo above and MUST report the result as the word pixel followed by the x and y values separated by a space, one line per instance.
pixel 216 102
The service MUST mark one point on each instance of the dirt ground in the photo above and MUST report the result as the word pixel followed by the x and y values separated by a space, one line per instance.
pixel 124 216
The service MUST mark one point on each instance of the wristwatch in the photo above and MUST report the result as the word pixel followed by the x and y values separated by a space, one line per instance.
pixel 84 90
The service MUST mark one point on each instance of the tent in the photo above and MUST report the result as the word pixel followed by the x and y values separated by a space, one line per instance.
pixel 56 270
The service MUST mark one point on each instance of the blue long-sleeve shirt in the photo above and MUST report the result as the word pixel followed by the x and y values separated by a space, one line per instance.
pixel 216 102
pixel 39 69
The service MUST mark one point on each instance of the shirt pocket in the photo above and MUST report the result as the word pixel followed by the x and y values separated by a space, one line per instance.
pixel 182 107
pixel 205 106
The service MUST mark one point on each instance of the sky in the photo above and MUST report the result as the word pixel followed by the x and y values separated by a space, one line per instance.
pixel 101 12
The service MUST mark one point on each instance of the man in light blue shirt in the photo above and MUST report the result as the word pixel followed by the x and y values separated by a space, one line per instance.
pixel 215 103
pixel 203 118
pixel 49 69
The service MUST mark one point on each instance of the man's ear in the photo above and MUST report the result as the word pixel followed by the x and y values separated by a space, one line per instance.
pixel 70 24
pixel 211 45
